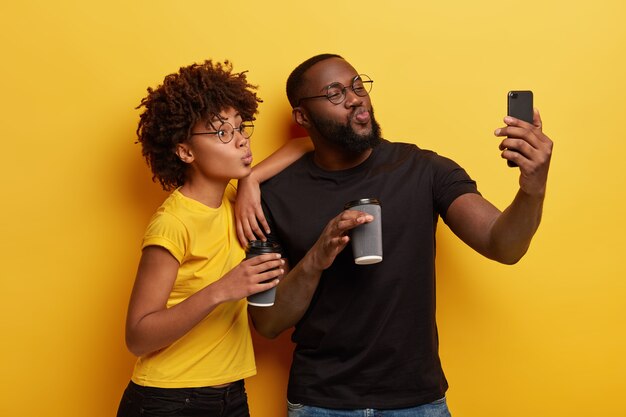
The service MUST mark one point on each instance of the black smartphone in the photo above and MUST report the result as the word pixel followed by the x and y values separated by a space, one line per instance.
pixel 520 105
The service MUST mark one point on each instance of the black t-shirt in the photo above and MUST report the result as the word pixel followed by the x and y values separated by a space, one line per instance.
pixel 369 337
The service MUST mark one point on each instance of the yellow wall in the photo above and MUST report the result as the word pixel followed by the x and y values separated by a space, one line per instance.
pixel 544 338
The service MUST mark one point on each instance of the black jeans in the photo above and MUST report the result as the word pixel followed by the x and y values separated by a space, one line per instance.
pixel 139 401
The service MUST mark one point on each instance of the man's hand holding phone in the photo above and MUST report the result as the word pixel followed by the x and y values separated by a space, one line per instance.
pixel 526 146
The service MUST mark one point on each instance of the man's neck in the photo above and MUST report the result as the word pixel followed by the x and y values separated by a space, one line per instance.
pixel 333 159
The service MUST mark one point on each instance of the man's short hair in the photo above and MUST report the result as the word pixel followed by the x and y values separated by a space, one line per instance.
pixel 295 80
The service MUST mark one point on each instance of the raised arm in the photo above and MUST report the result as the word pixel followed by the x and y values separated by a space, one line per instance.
pixel 296 289
pixel 249 217
pixel 505 236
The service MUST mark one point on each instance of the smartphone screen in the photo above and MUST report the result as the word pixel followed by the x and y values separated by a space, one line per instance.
pixel 520 106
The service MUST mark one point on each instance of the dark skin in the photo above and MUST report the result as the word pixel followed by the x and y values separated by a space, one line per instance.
pixel 503 236
pixel 150 324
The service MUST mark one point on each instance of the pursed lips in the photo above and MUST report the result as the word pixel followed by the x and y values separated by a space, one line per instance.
pixel 247 158
pixel 361 115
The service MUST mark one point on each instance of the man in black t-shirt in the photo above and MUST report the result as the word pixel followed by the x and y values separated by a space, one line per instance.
pixel 365 335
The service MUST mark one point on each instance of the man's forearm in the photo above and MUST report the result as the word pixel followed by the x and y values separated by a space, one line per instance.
pixel 514 229
pixel 295 291
pixel 293 296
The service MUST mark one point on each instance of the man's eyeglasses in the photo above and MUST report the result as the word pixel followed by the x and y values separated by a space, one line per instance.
pixel 226 132
pixel 336 92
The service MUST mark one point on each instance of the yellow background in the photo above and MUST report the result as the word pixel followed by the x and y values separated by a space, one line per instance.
pixel 543 338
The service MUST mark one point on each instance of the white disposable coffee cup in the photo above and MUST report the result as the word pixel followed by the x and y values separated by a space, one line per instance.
pixel 367 239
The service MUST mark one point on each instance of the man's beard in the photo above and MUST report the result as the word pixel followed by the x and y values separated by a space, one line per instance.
pixel 345 136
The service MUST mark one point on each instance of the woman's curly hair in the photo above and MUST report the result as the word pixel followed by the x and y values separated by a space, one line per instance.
pixel 194 93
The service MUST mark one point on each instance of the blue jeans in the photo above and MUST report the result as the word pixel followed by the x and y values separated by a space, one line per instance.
pixel 139 401
pixel 438 408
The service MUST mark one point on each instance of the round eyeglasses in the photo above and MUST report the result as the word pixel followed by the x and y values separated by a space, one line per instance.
pixel 336 92
pixel 226 132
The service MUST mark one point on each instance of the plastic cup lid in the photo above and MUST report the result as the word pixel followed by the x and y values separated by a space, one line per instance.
pixel 361 202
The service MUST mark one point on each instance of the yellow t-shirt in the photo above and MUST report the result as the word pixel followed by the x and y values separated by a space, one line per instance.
pixel 219 349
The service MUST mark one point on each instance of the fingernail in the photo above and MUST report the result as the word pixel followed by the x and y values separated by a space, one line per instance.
pixel 497 132
pixel 508 119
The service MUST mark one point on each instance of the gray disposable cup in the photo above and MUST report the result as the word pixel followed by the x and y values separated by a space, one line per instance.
pixel 367 239
pixel 256 248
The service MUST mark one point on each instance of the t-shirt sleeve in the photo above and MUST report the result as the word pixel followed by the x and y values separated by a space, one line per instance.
pixel 168 232
pixel 450 181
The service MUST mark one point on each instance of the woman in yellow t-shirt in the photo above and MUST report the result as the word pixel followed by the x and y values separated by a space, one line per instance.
pixel 187 318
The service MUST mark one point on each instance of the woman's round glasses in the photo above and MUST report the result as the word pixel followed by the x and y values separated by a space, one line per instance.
pixel 336 92
pixel 226 132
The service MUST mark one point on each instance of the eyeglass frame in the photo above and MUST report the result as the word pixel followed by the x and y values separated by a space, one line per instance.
pixel 369 81
pixel 232 132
